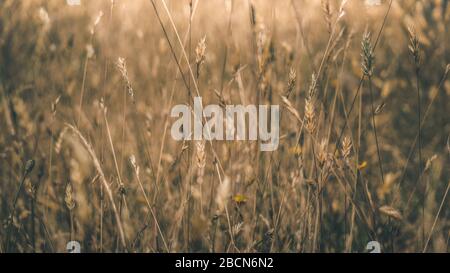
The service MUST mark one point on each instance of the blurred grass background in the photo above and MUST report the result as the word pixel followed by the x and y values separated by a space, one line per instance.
pixel 52 56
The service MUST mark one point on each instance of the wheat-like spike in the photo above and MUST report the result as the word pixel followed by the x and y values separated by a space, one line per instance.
pixel 310 116
pixel 68 198
pixel 328 14
pixel 60 140
pixel 346 148
pixel 414 46
pixel 291 82
pixel 368 57
pixel 313 87
pixel 134 164
pixel 200 51
pixel 201 160
pixel 200 54
pixel 323 154
pixel 310 112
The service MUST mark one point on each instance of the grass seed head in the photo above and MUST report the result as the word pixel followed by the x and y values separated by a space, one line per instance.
pixel 346 148
pixel 68 198
pixel 368 57
pixel 310 116
pixel 414 46
pixel 291 82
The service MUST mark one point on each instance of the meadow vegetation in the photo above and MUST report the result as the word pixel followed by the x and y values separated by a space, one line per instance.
pixel 86 152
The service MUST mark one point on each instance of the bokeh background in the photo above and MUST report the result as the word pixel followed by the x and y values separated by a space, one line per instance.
pixel 85 98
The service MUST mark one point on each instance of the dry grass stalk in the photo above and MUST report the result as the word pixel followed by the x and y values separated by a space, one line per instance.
pixel 291 109
pixel 136 172
pixel 103 180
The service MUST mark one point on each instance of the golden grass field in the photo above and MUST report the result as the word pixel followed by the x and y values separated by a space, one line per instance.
pixel 86 152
